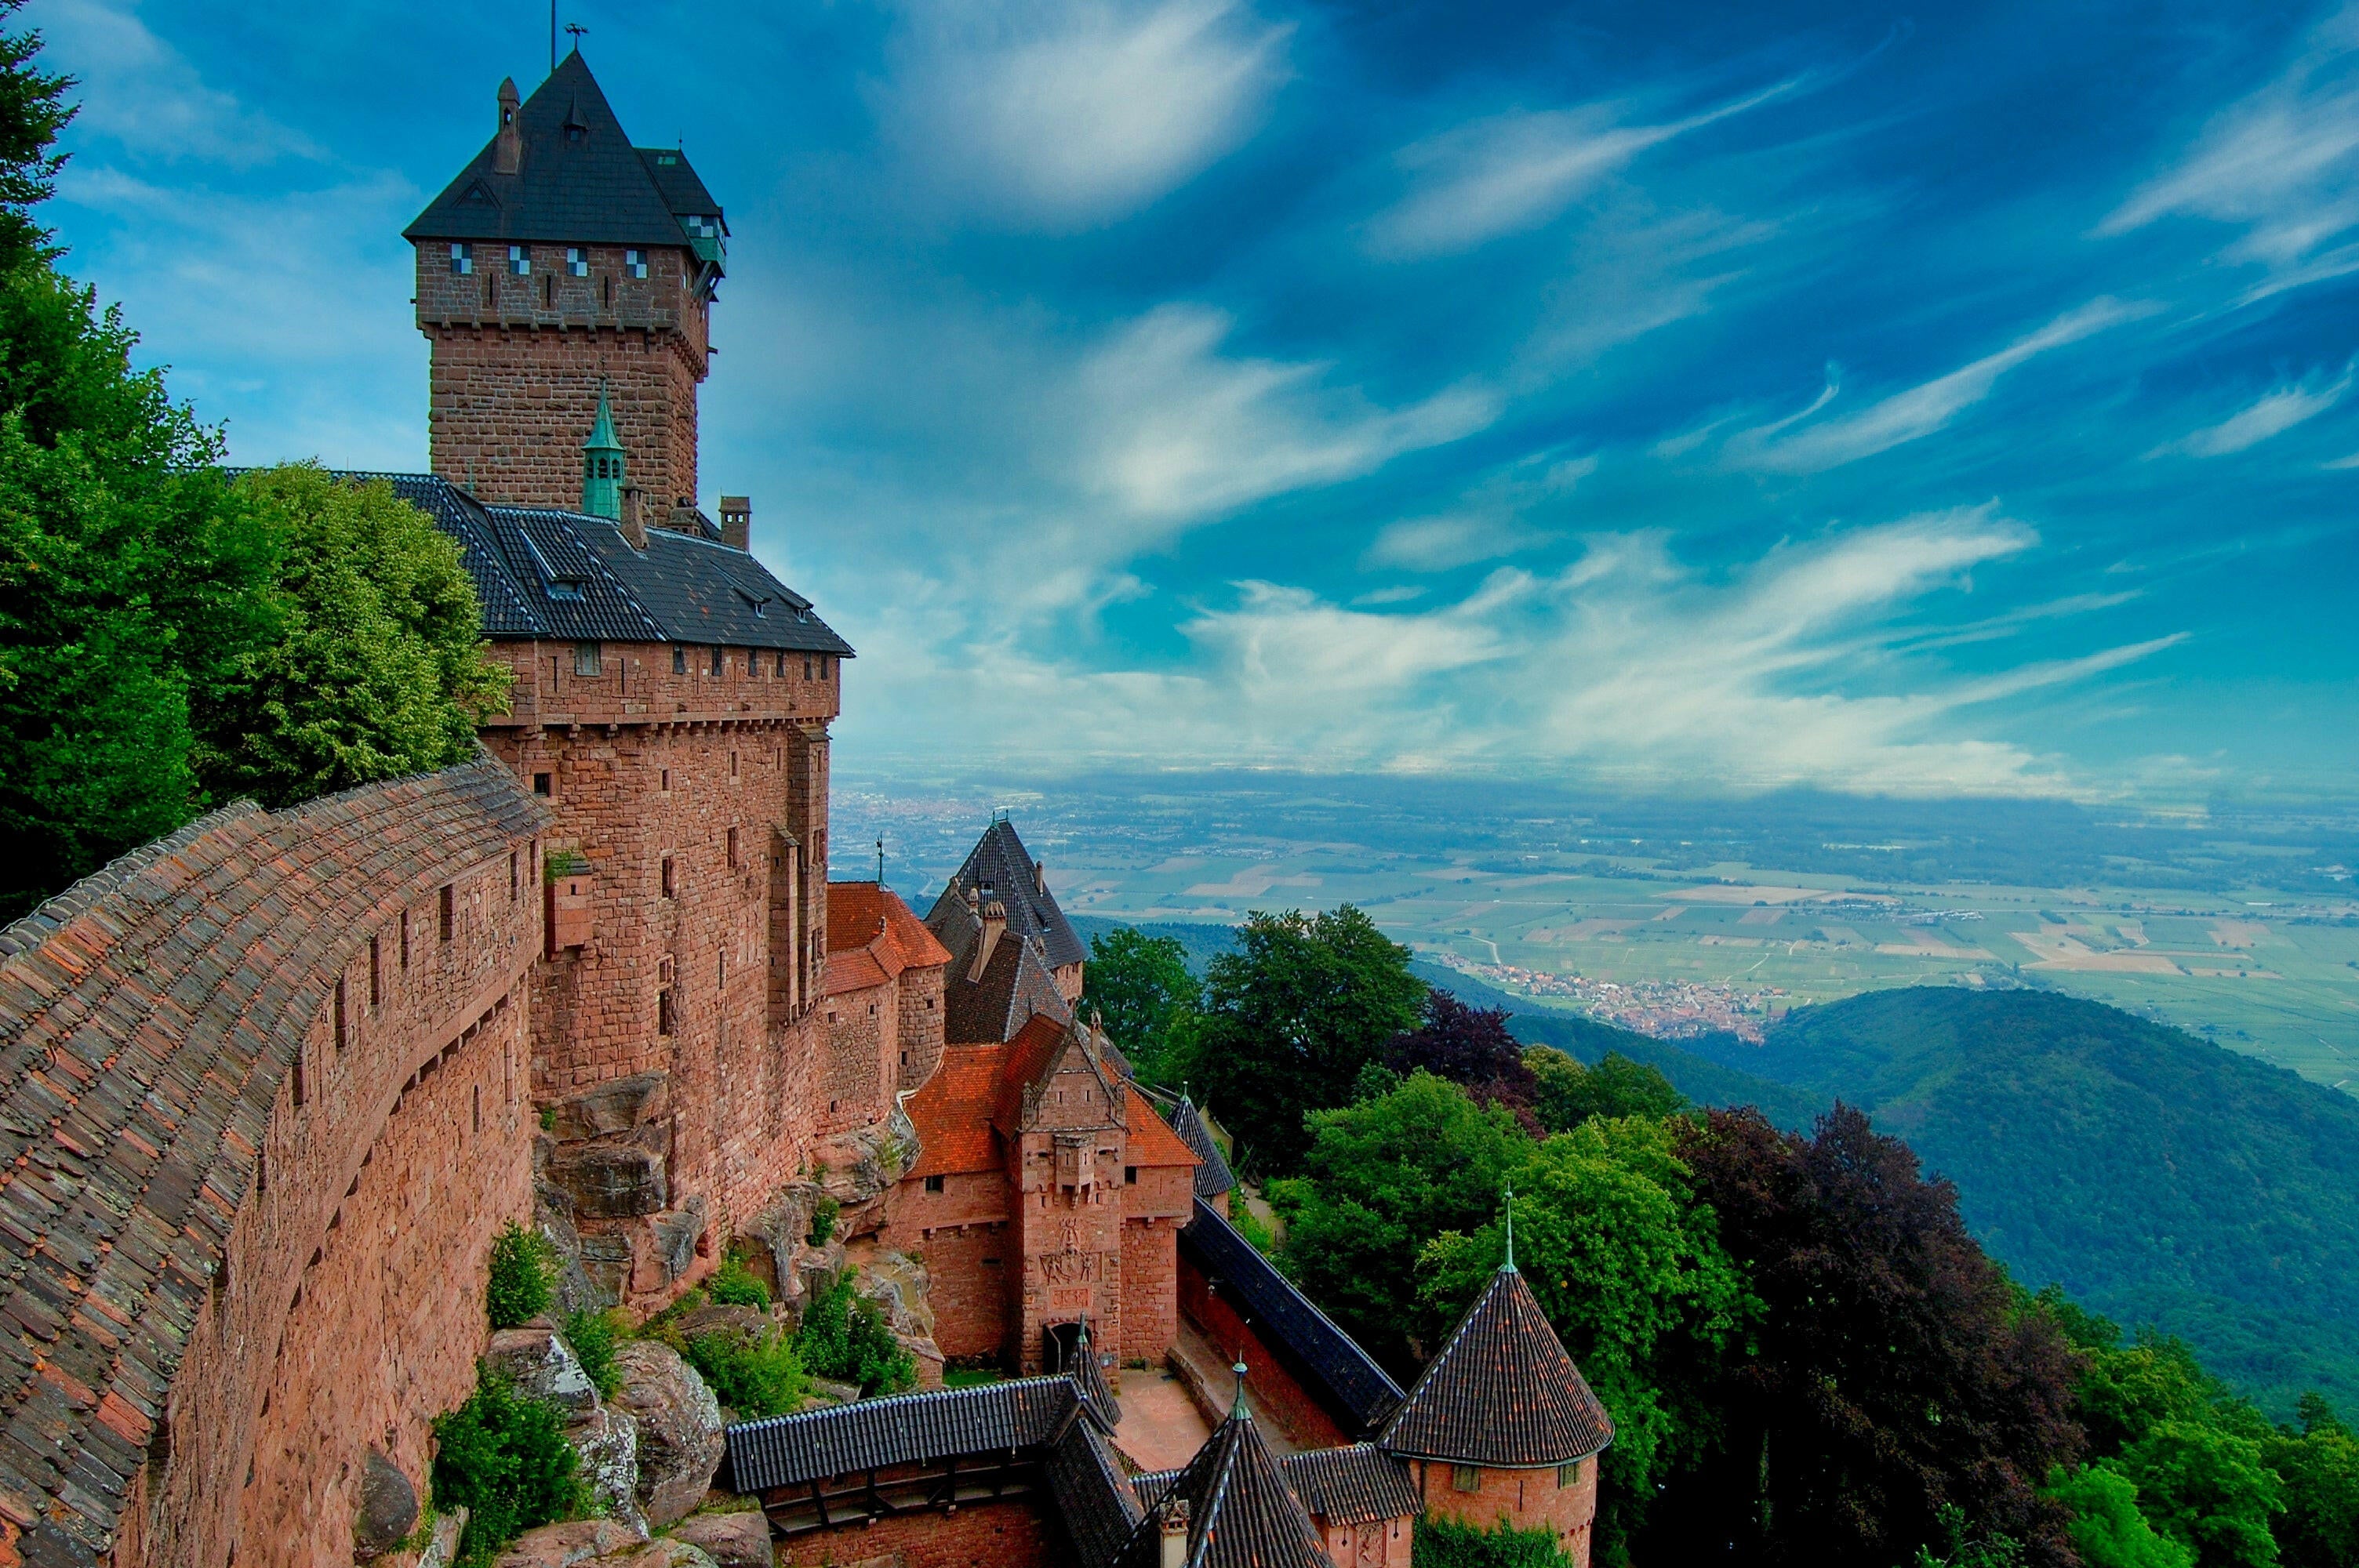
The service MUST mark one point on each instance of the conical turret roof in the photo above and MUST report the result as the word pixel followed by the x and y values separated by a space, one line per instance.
pixel 1503 1392
pixel 1241 1512
pixel 601 438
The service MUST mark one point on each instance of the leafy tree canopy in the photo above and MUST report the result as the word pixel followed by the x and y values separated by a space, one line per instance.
pixel 1565 1093
pixel 2107 1528
pixel 1289 1020
pixel 2208 1488
pixel 33 110
pixel 1144 992
pixel 1468 1046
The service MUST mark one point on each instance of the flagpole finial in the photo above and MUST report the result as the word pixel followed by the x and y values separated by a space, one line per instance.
pixel 1509 1266
pixel 1238 1409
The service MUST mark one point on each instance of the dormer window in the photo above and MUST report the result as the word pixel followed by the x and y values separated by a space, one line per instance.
pixel 577 261
pixel 462 260
pixel 634 264
pixel 577 134
pixel 520 262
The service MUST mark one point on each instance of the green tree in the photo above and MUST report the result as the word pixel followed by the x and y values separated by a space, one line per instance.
pixel 1290 1017
pixel 1144 992
pixel 378 668
pixel 33 110
pixel 1566 1093
pixel 2320 1469
pixel 2107 1528
pixel 504 1459
pixel 2208 1488
pixel 1631 1273
pixel 1384 1177
pixel 129 578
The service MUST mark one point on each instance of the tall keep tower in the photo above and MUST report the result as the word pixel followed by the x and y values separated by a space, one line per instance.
pixel 562 258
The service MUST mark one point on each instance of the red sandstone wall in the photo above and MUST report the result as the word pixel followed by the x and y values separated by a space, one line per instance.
pixel 1270 1383
pixel 919 1050
pixel 1528 1500
pixel 999 1535
pixel 1379 1543
pixel 971 1268
pixel 517 362
pixel 1150 1290
pixel 855 1083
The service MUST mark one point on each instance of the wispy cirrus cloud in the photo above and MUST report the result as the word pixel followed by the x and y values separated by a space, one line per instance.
pixel 1063 115
pixel 1508 173
pixel 143 95
pixel 1492 518
pixel 1803 443
pixel 2273 413
pixel 2281 164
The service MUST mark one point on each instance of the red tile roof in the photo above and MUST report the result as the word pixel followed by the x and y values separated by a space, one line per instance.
pixel 1028 1055
pixel 865 914
pixel 952 1112
pixel 1151 1142
pixel 853 971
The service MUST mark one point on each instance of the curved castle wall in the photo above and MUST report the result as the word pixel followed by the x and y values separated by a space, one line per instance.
pixel 264 1101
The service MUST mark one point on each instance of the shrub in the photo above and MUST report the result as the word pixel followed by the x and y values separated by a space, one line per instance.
pixel 1451 1543
pixel 736 1285
pixel 506 1461
pixel 823 1220
pixel 847 1339
pixel 753 1374
pixel 592 1335
pixel 519 1290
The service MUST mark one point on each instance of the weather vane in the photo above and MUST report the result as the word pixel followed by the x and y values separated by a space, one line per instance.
pixel 880 859
pixel 576 31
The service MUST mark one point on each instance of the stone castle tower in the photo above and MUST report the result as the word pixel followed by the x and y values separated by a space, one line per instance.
pixel 560 261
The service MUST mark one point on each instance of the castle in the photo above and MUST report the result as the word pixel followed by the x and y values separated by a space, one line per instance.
pixel 273 1084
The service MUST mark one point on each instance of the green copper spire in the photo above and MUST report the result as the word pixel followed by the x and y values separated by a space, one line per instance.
pixel 602 465
pixel 1509 1266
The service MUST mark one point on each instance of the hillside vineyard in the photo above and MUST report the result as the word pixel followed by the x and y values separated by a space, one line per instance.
pixel 275 1084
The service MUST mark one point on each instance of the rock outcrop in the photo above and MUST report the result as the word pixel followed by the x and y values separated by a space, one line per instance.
pixel 731 1541
pixel 679 1433
pixel 606 1457
pixel 388 1507
pixel 539 1364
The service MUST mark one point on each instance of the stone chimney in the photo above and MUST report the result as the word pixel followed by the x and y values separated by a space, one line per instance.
pixel 1171 1524
pixel 1040 876
pixel 737 521
pixel 634 525
pixel 507 148
pixel 994 927
pixel 682 519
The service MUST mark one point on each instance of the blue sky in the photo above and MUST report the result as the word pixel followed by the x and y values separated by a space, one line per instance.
pixel 1697 397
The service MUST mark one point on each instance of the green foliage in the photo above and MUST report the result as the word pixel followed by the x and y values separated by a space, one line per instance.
pixel 2319 1466
pixel 1964 1547
pixel 1250 1226
pixel 33 110
pixel 1566 1094
pixel 1289 1020
pixel 130 579
pixel 2107 1528
pixel 506 1461
pixel 2208 1488
pixel 1142 990
pixel 2158 1177
pixel 755 1374
pixel 1632 1275
pixel 378 668
pixel 521 1284
pixel 823 1224
pixel 735 1284
pixel 1453 1543
pixel 1383 1178
pixel 593 1336
pixel 847 1339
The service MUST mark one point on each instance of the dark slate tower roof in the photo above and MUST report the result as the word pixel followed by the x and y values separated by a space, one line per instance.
pixel 1213 1176
pixel 1001 867
pixel 577 180
pixel 1503 1392
pixel 1241 1512
pixel 568 576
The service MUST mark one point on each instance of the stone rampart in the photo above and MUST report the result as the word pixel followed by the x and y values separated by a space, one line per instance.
pixel 264 1102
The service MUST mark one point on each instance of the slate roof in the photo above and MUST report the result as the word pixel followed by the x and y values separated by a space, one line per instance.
pixel 905 1429
pixel 1213 1176
pixel 1084 1481
pixel 1502 1392
pixel 1353 1485
pixel 594 188
pixel 149 1018
pixel 1241 1512
pixel 1000 867
pixel 1015 985
pixel 1357 1391
pixel 568 576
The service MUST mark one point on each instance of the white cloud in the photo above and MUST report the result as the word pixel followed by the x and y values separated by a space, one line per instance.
pixel 1173 429
pixel 142 93
pixel 1797 445
pixel 1490 519
pixel 2275 413
pixel 2281 164
pixel 1516 171
pixel 1066 113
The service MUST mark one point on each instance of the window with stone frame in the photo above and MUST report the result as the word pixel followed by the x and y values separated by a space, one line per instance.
pixel 1568 1473
pixel 678 659
pixel 717 657
pixel 577 261
pixel 934 1184
pixel 520 262
pixel 589 658
pixel 635 263
pixel 1466 1477
pixel 462 259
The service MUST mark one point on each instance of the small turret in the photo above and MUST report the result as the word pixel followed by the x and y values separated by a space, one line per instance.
pixel 602 465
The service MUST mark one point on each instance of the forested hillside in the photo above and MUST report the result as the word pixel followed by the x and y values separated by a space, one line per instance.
pixel 2158 1177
